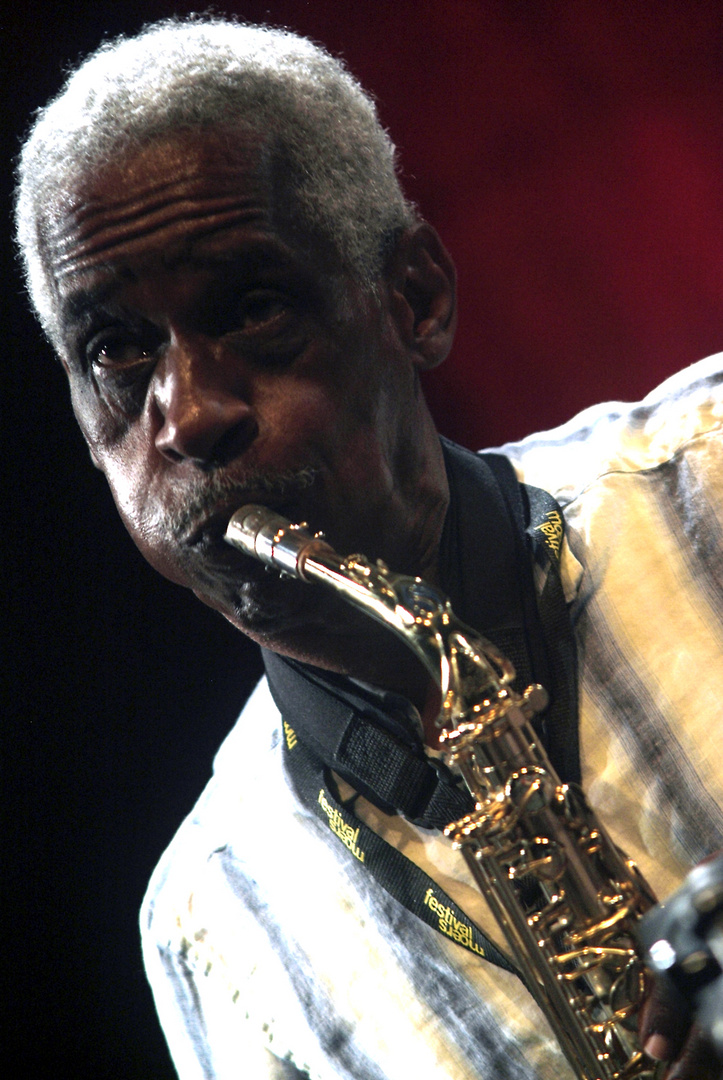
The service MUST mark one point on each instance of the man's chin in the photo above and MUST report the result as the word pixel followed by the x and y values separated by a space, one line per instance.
pixel 267 608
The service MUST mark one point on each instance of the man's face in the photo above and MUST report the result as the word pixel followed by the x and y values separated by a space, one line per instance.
pixel 214 362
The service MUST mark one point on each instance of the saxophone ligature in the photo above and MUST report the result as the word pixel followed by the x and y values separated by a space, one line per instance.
pixel 567 899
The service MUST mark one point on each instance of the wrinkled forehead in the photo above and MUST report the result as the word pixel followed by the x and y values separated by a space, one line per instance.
pixel 199 180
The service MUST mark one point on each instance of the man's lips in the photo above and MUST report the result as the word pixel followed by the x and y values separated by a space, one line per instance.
pixel 209 508
pixel 209 558
pixel 210 529
pixel 207 549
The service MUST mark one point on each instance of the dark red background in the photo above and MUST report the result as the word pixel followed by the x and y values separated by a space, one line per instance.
pixel 571 156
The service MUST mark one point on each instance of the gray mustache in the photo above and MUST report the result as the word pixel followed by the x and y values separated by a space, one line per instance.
pixel 207 492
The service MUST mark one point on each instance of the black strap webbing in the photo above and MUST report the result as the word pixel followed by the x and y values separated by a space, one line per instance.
pixel 346 733
pixel 539 535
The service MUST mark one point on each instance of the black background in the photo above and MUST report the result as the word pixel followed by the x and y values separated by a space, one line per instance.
pixel 119 687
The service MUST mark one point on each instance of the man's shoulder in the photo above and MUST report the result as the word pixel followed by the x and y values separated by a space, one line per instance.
pixel 254 735
pixel 227 807
pixel 624 437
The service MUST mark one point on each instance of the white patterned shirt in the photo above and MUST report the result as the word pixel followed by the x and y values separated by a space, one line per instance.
pixel 272 955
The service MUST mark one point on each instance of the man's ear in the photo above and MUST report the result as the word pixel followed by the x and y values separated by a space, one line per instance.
pixel 422 283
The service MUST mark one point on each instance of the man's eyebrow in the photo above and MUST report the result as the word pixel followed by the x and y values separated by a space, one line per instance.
pixel 245 258
pixel 245 261
pixel 82 302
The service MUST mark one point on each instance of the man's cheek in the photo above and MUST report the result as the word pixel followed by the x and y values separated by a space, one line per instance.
pixel 136 492
pixel 102 429
pixel 144 521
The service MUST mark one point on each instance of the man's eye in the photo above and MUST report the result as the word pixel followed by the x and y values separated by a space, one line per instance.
pixel 266 326
pixel 263 311
pixel 118 350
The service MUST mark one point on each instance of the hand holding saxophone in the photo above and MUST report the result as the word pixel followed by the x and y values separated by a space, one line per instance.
pixel 683 942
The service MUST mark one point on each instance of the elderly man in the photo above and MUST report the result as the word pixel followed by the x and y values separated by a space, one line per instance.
pixel 218 247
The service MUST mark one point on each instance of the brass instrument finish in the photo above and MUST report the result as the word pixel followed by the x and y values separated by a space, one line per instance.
pixel 564 895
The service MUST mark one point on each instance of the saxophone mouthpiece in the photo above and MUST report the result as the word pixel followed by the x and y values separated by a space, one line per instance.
pixel 244 528
pixel 271 538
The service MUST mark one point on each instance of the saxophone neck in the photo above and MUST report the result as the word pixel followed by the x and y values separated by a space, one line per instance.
pixel 458 660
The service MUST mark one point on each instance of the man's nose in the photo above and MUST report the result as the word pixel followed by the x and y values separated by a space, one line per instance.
pixel 202 397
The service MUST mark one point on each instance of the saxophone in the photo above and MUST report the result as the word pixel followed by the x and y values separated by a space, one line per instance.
pixel 567 899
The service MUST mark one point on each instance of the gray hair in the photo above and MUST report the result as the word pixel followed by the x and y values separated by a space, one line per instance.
pixel 199 73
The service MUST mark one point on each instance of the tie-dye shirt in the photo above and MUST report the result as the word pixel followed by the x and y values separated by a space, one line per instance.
pixel 271 952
